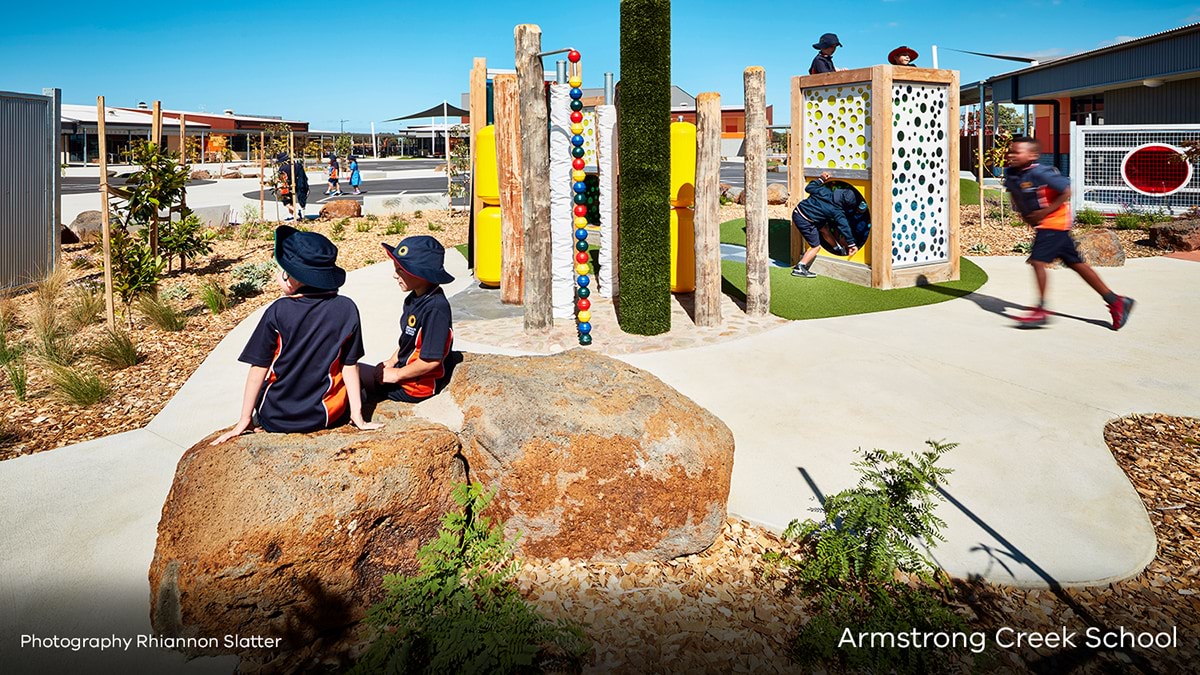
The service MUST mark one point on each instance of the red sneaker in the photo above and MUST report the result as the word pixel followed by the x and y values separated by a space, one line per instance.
pixel 1033 318
pixel 1120 309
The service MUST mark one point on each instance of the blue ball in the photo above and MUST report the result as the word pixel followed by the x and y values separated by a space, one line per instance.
pixel 581 234
pixel 580 187
pixel 577 140
pixel 585 327
pixel 582 280
pixel 576 93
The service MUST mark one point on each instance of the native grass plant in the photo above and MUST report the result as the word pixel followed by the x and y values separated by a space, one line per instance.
pixel 9 433
pixel 77 387
pixel 979 248
pixel 337 231
pixel 161 313
pixel 175 292
pixel 1023 247
pixel 851 558
pixel 117 350
pixel 365 225
pixel 8 315
pixel 85 306
pixel 215 297
pixel 417 214
pixel 53 341
pixel 396 225
pixel 436 227
pixel 82 261
pixel 1128 220
pixel 1089 217
pixel 18 376
pixel 462 613
pixel 185 239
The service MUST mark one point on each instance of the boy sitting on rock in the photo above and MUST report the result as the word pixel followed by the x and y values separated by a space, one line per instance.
pixel 298 381
pixel 413 372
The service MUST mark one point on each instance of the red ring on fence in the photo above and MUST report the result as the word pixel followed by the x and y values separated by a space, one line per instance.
pixel 1156 169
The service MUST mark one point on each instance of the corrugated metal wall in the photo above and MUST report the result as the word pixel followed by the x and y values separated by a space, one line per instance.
pixel 1177 54
pixel 1172 103
pixel 29 187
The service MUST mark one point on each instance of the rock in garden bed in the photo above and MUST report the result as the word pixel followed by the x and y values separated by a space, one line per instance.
pixel 1182 235
pixel 1100 248
pixel 341 208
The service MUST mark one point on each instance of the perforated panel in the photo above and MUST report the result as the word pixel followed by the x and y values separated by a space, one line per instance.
pixel 1098 181
pixel 920 165
pixel 837 127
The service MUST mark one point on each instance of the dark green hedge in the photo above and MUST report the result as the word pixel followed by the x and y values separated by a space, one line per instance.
pixel 644 153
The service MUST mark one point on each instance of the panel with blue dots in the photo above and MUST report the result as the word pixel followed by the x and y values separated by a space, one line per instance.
pixel 920 168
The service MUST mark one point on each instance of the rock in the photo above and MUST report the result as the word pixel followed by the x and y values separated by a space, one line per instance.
pixel 777 193
pixel 202 174
pixel 1180 235
pixel 232 174
pixel 290 535
pixel 594 459
pixel 725 187
pixel 66 236
pixel 341 208
pixel 87 226
pixel 1099 248
pixel 736 195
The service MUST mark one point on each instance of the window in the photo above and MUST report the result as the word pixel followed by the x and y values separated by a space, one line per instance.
pixel 1087 109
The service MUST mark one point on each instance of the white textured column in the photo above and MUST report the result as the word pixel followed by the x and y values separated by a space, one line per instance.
pixel 562 230
pixel 606 147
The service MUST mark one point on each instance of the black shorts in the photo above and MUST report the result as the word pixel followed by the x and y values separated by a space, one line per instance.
pixel 302 194
pixel 807 229
pixel 1051 245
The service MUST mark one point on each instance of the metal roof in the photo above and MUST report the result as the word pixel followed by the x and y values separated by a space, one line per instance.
pixel 86 114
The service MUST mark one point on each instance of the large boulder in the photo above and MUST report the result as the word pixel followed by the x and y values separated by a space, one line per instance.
pixel 289 536
pixel 201 174
pixel 87 226
pixel 1099 248
pixel 593 458
pixel 777 193
pixel 1181 235
pixel 341 208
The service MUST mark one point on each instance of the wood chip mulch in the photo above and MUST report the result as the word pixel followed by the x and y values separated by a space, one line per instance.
pixel 717 612
pixel 43 422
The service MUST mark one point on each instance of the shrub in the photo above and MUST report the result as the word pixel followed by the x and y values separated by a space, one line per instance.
pixel 82 389
pixel 53 342
pixel 82 261
pixel 644 156
pixel 8 315
pixel 1089 217
pixel 362 226
pixel 251 278
pixel 175 292
pixel 87 304
pixel 436 227
pixel 18 376
pixel 979 248
pixel 1023 247
pixel 1129 221
pixel 214 297
pixel 135 268
pixel 851 558
pixel 417 213
pixel 462 613
pixel 396 225
pixel 117 350
pixel 185 238
pixel 161 313
pixel 337 231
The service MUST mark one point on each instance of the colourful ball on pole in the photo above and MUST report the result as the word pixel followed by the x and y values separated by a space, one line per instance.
pixel 580 187
pixel 584 304
pixel 577 140
pixel 582 257
pixel 573 56
pixel 577 128
pixel 581 198
pixel 580 210
pixel 578 175
pixel 576 105
pixel 577 164
pixel 581 234
pixel 580 221
pixel 585 316
pixel 583 280
pixel 575 82
pixel 576 93
pixel 583 292
pixel 585 339
pixel 577 151
pixel 585 327
pixel 582 269
pixel 581 245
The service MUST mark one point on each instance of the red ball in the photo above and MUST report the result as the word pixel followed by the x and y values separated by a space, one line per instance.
pixel 573 56
pixel 578 164
pixel 580 210
pixel 584 304
pixel 582 257
pixel 576 117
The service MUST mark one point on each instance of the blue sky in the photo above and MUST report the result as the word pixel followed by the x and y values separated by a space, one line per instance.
pixel 370 61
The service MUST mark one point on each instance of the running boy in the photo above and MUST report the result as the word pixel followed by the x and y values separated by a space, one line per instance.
pixel 298 381
pixel 413 371
pixel 818 215
pixel 1042 196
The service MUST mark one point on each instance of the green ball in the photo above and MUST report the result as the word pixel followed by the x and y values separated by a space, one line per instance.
pixel 585 339
pixel 580 198
pixel 581 245
pixel 583 291
pixel 578 151
pixel 576 104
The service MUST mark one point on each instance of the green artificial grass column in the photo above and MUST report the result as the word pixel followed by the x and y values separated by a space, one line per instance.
pixel 644 154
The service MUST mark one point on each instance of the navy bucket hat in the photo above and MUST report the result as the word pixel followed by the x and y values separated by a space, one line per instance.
pixel 308 257
pixel 421 256
pixel 828 40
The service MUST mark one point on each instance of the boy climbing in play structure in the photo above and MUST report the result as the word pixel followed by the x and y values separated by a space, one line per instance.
pixel 823 61
pixel 822 215
pixel 303 352
pixel 1042 196
pixel 417 368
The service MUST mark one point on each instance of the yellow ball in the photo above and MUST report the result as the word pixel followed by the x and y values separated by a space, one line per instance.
pixel 576 129
pixel 585 315
pixel 575 81
pixel 578 176
pixel 582 268
pixel 580 221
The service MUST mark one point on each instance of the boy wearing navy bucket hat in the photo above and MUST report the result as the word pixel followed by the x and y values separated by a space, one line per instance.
pixel 416 369
pixel 303 353
pixel 823 61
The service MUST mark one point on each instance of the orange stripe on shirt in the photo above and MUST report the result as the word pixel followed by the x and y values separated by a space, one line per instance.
pixel 1060 219
pixel 426 385
pixel 336 400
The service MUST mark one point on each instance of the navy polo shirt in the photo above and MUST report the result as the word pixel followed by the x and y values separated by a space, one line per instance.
pixel 1034 187
pixel 426 332
pixel 304 342
pixel 821 64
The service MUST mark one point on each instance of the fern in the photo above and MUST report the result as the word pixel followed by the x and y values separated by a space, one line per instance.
pixel 462 613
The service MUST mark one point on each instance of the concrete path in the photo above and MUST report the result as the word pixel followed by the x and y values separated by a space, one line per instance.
pixel 1035 498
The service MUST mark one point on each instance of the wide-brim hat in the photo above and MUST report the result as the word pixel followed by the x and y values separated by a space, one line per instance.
pixel 828 40
pixel 281 158
pixel 421 256
pixel 308 257
pixel 895 54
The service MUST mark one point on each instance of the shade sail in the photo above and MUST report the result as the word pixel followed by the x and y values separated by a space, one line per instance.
pixel 442 109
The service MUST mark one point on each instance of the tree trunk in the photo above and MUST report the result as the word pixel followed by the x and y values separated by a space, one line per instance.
pixel 535 174
pixel 758 264
pixel 708 195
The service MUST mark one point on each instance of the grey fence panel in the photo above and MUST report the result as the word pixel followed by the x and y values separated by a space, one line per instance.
pixel 30 188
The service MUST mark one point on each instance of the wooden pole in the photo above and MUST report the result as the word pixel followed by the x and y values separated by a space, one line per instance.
pixel 156 124
pixel 105 231
pixel 796 168
pixel 952 237
pixel 262 169
pixel 156 138
pixel 478 109
pixel 508 159
pixel 182 139
pixel 535 176
pixel 881 176
pixel 292 167
pixel 708 195
pixel 758 264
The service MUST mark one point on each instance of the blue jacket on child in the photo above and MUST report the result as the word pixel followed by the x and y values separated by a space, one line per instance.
pixel 820 210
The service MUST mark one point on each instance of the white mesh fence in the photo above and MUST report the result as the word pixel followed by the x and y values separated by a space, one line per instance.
pixel 1103 180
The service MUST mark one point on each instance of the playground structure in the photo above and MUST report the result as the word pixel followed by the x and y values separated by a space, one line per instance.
pixel 890 133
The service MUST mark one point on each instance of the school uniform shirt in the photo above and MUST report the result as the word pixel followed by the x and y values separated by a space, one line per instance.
pixel 304 342
pixel 818 208
pixel 1034 187
pixel 426 333
pixel 821 64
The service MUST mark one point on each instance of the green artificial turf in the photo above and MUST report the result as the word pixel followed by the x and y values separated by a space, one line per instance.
pixel 968 191
pixel 822 297
pixel 462 248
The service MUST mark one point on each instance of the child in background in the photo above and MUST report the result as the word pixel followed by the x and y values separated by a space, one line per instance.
pixel 355 176
pixel 332 170
pixel 299 352
pixel 821 213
